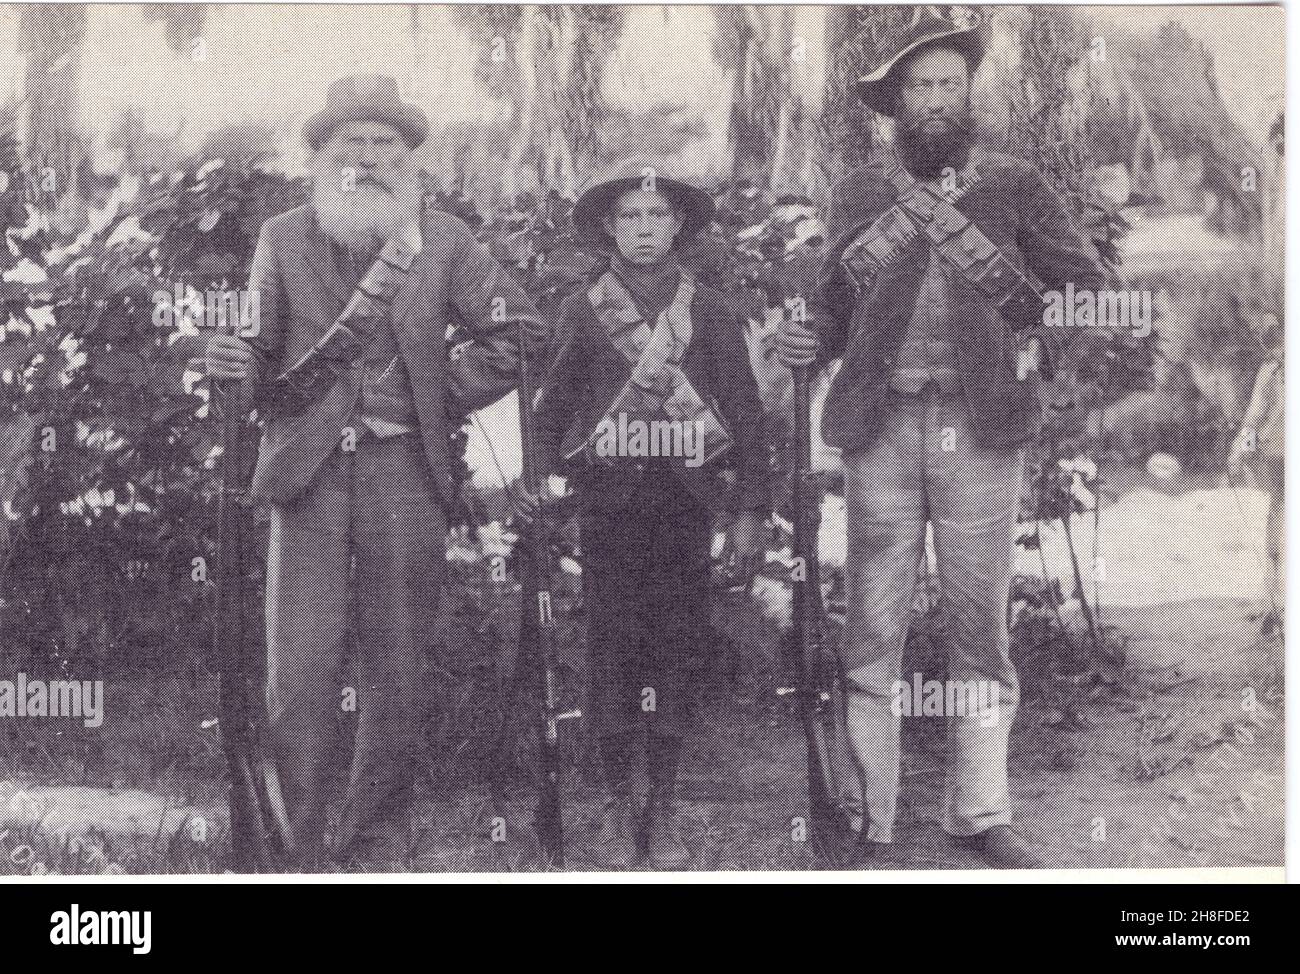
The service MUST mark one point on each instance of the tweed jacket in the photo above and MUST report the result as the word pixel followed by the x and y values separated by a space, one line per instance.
pixel 454 280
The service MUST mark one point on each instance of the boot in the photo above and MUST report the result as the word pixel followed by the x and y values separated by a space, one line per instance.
pixel 614 845
pixel 867 853
pixel 1004 848
pixel 664 848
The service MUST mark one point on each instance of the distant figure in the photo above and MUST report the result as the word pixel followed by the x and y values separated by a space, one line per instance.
pixel 1262 437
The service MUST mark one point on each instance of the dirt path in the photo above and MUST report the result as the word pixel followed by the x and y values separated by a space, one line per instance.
pixel 1172 771
pixel 1186 768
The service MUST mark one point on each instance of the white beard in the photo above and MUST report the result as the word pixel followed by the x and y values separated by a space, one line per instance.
pixel 367 216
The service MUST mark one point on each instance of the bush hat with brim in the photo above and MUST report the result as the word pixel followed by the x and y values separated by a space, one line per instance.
pixel 367 98
pixel 878 88
pixel 604 190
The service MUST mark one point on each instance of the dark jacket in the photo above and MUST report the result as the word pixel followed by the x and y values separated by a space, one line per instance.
pixel 589 372
pixel 301 294
pixel 1013 205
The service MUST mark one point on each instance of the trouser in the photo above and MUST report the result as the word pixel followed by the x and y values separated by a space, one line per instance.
pixel 925 468
pixel 1272 477
pixel 354 572
pixel 646 588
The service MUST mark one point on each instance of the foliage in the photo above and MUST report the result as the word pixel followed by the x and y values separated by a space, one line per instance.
pixel 116 500
pixel 770 125
pixel 1051 112
pixel 550 59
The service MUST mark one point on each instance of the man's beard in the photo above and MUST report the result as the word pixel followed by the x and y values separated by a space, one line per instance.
pixel 927 154
pixel 365 216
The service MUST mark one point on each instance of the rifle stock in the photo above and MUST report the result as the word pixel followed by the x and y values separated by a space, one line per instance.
pixel 254 793
pixel 828 821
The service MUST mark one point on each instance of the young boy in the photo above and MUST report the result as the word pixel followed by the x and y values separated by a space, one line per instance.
pixel 650 399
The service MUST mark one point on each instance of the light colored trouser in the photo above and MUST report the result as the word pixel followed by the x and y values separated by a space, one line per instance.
pixel 925 467
pixel 1272 477
pixel 354 572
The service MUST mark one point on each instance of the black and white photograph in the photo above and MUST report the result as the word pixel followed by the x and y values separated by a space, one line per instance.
pixel 665 440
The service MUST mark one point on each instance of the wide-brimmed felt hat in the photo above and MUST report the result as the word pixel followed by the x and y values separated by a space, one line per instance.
pixel 877 88
pixel 367 98
pixel 638 172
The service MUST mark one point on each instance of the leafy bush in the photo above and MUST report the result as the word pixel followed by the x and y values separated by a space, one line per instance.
pixel 114 504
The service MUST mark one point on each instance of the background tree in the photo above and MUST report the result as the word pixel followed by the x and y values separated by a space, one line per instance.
pixel 857 38
pixel 51 37
pixel 766 52
pixel 183 23
pixel 547 64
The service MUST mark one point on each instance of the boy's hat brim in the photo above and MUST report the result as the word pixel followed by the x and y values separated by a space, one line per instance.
pixel 604 190
pixel 877 88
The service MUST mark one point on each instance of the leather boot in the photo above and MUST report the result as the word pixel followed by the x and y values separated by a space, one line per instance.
pixel 1004 848
pixel 665 849
pixel 614 845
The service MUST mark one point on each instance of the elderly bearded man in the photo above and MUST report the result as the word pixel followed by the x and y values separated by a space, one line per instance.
pixel 358 477
pixel 934 401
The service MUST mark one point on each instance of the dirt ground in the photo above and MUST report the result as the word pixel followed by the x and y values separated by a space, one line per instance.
pixel 1173 770
pixel 1180 765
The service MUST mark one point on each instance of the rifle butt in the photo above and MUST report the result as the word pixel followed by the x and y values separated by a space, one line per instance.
pixel 248 845
pixel 550 830
pixel 275 807
pixel 827 819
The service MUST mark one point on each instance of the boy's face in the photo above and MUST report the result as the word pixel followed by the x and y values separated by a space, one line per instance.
pixel 644 224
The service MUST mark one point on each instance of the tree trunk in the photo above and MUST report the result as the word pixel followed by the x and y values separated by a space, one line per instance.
pixel 51 37
pixel 857 39
pixel 524 118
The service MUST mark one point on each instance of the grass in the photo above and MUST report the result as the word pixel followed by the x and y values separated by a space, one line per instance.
pixel 1117 749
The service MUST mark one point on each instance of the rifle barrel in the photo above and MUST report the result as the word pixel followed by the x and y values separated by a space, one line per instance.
pixel 248 833
pixel 537 624
pixel 826 815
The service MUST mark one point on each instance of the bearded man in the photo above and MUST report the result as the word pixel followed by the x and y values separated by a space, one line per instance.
pixel 356 469
pixel 933 404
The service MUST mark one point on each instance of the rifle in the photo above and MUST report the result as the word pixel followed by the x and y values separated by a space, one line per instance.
pixel 254 798
pixel 828 824
pixel 537 628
